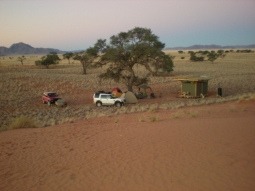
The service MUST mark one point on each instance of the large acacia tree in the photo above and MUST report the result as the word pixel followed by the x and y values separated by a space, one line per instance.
pixel 128 49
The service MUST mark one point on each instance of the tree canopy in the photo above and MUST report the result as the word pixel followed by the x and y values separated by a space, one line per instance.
pixel 85 59
pixel 127 49
pixel 68 56
pixel 50 59
pixel 212 56
pixel 21 59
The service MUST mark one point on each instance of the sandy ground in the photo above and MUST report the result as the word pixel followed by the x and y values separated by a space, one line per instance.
pixel 199 148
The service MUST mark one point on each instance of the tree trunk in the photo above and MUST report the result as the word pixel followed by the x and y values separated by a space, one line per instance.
pixel 84 68
pixel 131 81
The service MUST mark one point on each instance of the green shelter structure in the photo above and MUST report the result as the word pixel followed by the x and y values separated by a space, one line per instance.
pixel 193 87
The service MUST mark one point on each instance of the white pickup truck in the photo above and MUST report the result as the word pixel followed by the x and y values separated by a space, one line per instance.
pixel 106 99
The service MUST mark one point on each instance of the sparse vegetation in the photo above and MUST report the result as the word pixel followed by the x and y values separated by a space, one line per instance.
pixel 49 59
pixel 22 122
pixel 21 59
pixel 152 108
pixel 22 86
pixel 212 56
pixel 153 118
pixel 232 108
pixel 175 115
pixel 116 120
pixel 245 51
pixel 194 114
pixel 141 119
pixel 243 108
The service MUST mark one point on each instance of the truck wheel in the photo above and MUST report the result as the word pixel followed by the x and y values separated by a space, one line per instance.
pixel 99 104
pixel 118 104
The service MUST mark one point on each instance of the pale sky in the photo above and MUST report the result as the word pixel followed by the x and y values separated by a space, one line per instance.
pixel 77 24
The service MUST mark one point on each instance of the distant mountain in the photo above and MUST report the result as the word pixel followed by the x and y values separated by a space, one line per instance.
pixel 212 46
pixel 23 49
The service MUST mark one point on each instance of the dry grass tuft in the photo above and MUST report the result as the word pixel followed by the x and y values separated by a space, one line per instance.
pixel 176 115
pixel 116 120
pixel 153 118
pixel 232 108
pixel 141 119
pixel 194 114
pixel 21 122
pixel 243 108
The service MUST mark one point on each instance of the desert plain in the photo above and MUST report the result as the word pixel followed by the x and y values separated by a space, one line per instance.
pixel 166 143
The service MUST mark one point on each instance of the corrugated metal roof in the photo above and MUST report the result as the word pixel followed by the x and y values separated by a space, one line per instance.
pixel 192 78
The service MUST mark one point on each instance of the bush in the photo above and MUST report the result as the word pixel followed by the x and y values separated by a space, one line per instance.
pixel 195 58
pixel 152 119
pixel 22 122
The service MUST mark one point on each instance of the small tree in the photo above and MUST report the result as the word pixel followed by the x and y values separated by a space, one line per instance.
pixel 21 59
pixel 68 55
pixel 84 59
pixel 49 59
pixel 195 58
pixel 221 53
pixel 212 56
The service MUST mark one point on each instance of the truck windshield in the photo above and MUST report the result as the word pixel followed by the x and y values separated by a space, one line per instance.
pixel 52 95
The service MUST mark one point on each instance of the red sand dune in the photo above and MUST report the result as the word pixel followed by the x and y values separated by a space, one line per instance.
pixel 206 148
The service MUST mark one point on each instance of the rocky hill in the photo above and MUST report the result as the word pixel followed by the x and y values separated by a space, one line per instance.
pixel 23 49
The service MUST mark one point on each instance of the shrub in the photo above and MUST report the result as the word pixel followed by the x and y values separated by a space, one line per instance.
pixel 232 108
pixel 153 118
pixel 141 119
pixel 116 120
pixel 22 122
pixel 151 109
pixel 175 115
pixel 194 114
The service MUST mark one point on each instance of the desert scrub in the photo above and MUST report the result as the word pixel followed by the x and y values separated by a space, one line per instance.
pixel 141 119
pixel 176 115
pixel 232 108
pixel 243 108
pixel 153 118
pixel 152 109
pixel 116 120
pixel 22 122
pixel 194 114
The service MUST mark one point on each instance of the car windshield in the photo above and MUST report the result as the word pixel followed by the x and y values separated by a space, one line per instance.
pixel 52 95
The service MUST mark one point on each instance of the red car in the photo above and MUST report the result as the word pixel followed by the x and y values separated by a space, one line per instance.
pixel 49 98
